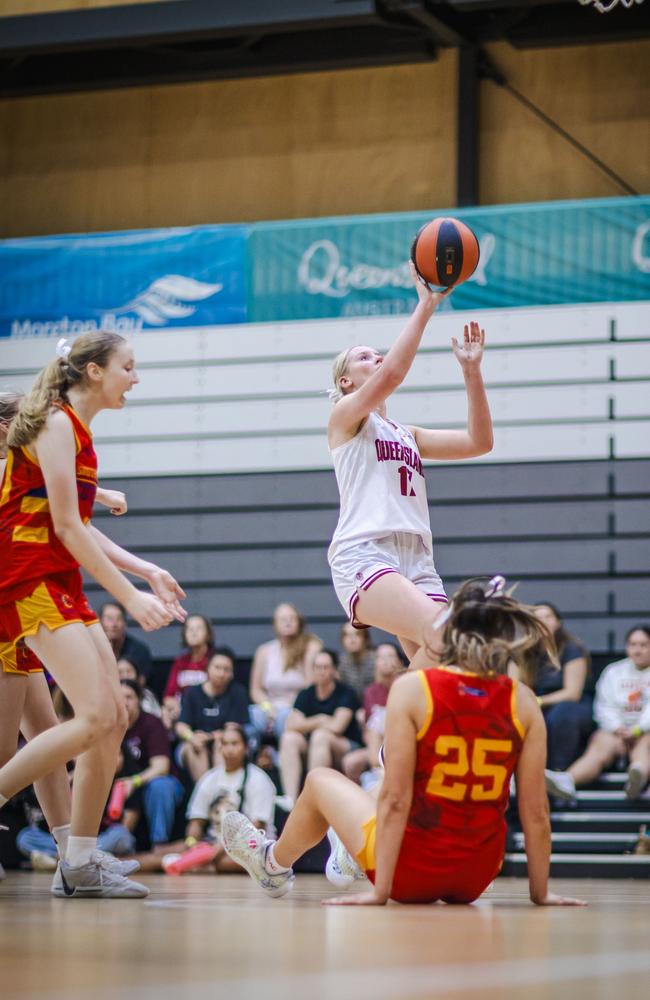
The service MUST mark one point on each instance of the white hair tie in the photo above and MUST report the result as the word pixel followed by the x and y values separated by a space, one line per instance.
pixel 63 349
pixel 496 587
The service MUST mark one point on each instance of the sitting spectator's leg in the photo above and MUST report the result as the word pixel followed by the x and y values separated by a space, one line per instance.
pixel 32 838
pixel 161 798
pixel 355 763
pixel 603 749
pixel 116 839
pixel 639 770
pixel 281 716
pixel 326 749
pixel 293 748
pixel 568 724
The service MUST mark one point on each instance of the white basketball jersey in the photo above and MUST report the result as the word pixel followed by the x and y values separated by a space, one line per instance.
pixel 381 483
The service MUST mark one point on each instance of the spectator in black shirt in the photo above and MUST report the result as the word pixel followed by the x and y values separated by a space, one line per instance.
pixel 205 709
pixel 144 768
pixel 112 618
pixel 322 726
pixel 565 696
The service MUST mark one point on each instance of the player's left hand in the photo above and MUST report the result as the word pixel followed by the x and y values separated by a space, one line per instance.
pixel 356 899
pixel 552 899
pixel 169 591
pixel 470 352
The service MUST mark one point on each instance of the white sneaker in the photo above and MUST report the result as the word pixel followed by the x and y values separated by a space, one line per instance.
pixel 560 784
pixel 249 846
pixel 341 868
pixel 94 881
pixel 105 861
pixel 635 781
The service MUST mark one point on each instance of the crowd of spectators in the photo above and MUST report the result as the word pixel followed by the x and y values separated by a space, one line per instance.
pixel 210 744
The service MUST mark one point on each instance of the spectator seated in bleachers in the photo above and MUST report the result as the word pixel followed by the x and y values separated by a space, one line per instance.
pixel 112 617
pixel 322 726
pixel 205 709
pixel 129 672
pixel 388 665
pixel 190 668
pixel 234 784
pixel 565 695
pixel 144 771
pixel 281 668
pixel 622 714
pixel 357 658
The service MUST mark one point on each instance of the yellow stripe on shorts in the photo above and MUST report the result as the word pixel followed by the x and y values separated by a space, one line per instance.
pixel 34 505
pixel 36 536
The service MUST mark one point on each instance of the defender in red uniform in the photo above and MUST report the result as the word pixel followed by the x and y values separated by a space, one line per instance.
pixel 454 737
pixel 46 501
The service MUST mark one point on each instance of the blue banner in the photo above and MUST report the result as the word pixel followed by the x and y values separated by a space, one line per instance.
pixel 126 282
pixel 553 253
pixel 540 254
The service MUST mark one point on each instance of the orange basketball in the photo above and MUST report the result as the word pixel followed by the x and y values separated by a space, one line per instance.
pixel 445 252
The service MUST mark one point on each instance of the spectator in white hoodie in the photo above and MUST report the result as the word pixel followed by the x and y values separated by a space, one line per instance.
pixel 622 714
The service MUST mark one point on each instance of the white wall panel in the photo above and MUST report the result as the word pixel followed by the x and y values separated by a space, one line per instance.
pixel 249 398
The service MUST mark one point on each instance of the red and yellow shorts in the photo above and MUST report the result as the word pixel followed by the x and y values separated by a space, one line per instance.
pixel 56 601
pixel 453 881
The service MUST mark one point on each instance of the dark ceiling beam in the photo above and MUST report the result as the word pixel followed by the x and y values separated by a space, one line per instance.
pixel 442 29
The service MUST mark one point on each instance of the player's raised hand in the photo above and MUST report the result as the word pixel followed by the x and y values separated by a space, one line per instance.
pixel 430 300
pixel 470 352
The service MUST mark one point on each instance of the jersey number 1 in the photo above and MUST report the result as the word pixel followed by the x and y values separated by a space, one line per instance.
pixel 405 477
pixel 459 766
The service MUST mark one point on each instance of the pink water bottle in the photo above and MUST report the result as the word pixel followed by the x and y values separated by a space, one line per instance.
pixel 116 801
pixel 201 854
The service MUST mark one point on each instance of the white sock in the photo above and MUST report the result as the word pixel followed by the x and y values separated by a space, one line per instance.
pixel 271 865
pixel 80 850
pixel 3 801
pixel 61 834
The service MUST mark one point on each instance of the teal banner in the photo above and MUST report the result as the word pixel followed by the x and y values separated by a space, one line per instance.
pixel 531 255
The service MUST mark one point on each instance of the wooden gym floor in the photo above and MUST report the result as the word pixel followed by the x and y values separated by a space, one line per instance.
pixel 199 935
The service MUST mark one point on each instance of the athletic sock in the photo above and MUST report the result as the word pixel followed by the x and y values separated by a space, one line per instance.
pixel 61 835
pixel 80 850
pixel 271 865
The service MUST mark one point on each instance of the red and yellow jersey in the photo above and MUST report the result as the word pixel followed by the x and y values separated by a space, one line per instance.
pixel 30 549
pixel 467 750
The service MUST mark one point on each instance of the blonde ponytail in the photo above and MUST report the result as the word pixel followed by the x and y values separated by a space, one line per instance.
pixel 55 380
pixel 484 630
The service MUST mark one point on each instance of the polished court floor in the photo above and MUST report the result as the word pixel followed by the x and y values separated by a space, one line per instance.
pixel 200 936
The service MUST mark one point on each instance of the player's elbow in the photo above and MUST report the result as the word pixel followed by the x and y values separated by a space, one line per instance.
pixel 65 528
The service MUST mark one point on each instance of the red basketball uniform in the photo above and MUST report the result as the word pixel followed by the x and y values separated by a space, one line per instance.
pixel 467 750
pixel 40 580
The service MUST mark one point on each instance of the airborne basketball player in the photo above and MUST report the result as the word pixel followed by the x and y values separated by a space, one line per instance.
pixel 381 553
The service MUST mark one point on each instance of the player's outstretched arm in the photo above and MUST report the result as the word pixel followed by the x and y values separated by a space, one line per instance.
pixel 352 409
pixel 533 802
pixel 477 439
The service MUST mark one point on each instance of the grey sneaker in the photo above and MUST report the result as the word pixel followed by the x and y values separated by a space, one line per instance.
pixel 635 781
pixel 105 861
pixel 94 881
pixel 341 868
pixel 560 784
pixel 248 846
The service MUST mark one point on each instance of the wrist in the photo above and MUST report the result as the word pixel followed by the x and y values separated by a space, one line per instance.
pixel 636 731
pixel 137 781
pixel 191 841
